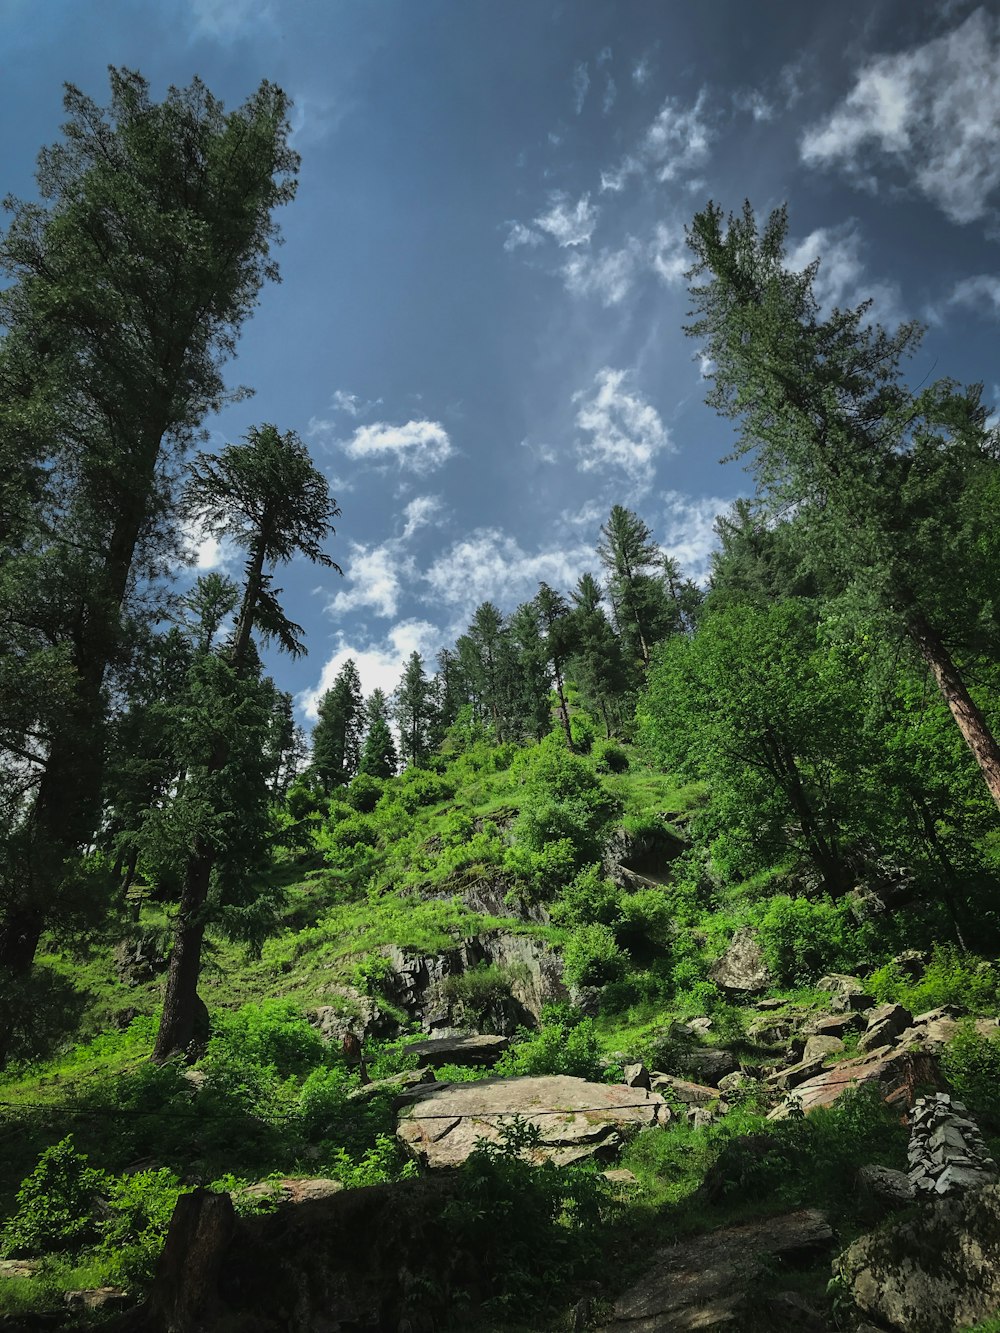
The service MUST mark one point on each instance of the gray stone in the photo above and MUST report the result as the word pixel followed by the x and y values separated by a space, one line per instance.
pixel 19 1267
pixel 396 1083
pixel 818 1048
pixel 709 1063
pixel 737 1082
pixel 282 1193
pixel 705 1283
pixel 691 1094
pixel 846 993
pixel 785 1079
pixel 636 1076
pixel 576 1119
pixel 461 1050
pixel 885 1185
pixel 834 1025
pixel 899 1073
pixel 885 1024
pixel 935 1271
pixel 742 969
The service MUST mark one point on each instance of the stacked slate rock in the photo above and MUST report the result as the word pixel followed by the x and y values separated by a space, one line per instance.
pixel 946 1152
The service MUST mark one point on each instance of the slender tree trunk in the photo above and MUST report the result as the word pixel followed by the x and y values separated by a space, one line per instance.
pixel 180 1003
pixel 970 721
pixel 563 706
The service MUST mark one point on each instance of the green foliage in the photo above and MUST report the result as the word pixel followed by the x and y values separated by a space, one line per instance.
pixel 565 1043
pixel 610 758
pixel 592 957
pixel 588 899
pixel 971 1064
pixel 55 1204
pixel 950 977
pixel 272 1034
pixel 478 996
pixel 803 938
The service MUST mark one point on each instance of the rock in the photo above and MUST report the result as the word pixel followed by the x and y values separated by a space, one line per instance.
pixel 19 1267
pixel 691 1094
pixel 139 960
pixel 351 1012
pixel 946 1152
pixel 409 1078
pixel 769 1004
pixel 845 992
pixel 911 963
pixel 885 1024
pixel 620 1177
pixel 935 1271
pixel 708 1063
pixel 705 1282
pixel 885 1186
pixel 785 1079
pixel 463 1050
pixel 834 1025
pixel 697 1027
pixel 771 1031
pixel 791 1314
pixel 98 1298
pixel 932 1031
pixel 898 1072
pixel 818 1048
pixel 742 969
pixel 281 1193
pixel 195 1079
pixel 576 1119
pixel 636 1076
pixel 737 1083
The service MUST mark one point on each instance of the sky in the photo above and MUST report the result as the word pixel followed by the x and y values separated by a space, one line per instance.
pixel 479 331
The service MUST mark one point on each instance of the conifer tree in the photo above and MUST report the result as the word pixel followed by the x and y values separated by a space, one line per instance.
pixel 598 664
pixel 412 707
pixel 631 558
pixel 557 629
pixel 379 758
pixel 336 741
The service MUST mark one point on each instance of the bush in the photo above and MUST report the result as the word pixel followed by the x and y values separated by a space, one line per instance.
pixel 610 758
pixel 971 1064
pixel 272 1033
pixel 592 957
pixel 644 920
pixel 804 937
pixel 587 900
pixel 139 1208
pixel 478 996
pixel 565 1043
pixel 364 793
pixel 544 869
pixel 56 1204
pixel 949 978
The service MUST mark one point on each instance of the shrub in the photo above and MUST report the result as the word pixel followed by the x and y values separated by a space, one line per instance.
pixel 566 1043
pixel 138 1211
pixel 949 978
pixel 644 920
pixel 478 996
pixel 56 1204
pixel 971 1064
pixel 583 732
pixel 364 793
pixel 586 900
pixel 804 937
pixel 355 831
pixel 610 758
pixel 592 957
pixel 544 869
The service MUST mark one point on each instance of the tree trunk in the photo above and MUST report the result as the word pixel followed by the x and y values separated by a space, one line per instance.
pixel 180 1003
pixel 970 721
pixel 563 706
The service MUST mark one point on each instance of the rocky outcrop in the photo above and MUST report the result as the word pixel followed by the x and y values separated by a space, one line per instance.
pixel 634 861
pixel 883 1185
pixel 470 1051
pixel 946 1152
pixel 351 1012
pixel 846 993
pixel 691 1094
pixel 575 1119
pixel 706 1282
pixel 938 1270
pixel 885 1024
pixel 898 1073
pixel 742 969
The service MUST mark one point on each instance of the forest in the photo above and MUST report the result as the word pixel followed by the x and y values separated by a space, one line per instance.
pixel 224 943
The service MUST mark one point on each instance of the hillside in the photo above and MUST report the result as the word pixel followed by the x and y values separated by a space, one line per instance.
pixel 557 902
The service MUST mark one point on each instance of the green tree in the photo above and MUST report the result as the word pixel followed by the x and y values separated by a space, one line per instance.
pixel 597 664
pixel 379 758
pixel 642 612
pixel 557 630
pixel 266 497
pixel 336 740
pixel 895 486
pixel 413 708
pixel 127 284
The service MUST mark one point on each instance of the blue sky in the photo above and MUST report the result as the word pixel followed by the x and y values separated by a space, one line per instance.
pixel 479 327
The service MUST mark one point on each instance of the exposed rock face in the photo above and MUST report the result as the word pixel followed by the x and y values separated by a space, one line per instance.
pixel 898 1072
pixel 786 1079
pixel 705 1282
pixel 885 1186
pixel 576 1119
pixel 742 969
pixel 634 861
pixel 282 1193
pixel 846 993
pixel 708 1063
pixel 819 1047
pixel 946 1152
pixel 692 1094
pixel 350 1011
pixel 937 1271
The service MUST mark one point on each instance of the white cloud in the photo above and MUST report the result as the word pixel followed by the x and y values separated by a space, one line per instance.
pixel 624 430
pixel 581 82
pixel 934 110
pixel 374 580
pixel 420 511
pixel 380 663
pixel 689 527
pixel 641 72
pixel 610 95
pixel 568 224
pixel 420 445
pixel 841 279
pixel 608 275
pixel 342 401
pixel 670 256
pixel 223 19
pixel 753 101
pixel 206 553
pixel 981 292
pixel 520 235
pixel 675 144
pixel 490 565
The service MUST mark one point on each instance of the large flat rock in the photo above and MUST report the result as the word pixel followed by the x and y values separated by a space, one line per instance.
pixel 474 1050
pixel 704 1282
pixel 576 1119
pixel 899 1073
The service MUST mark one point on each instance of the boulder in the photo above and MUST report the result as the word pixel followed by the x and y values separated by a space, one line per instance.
pixel 899 1073
pixel 934 1271
pixel 742 969
pixel 706 1282
pixel 396 1083
pixel 885 1186
pixel 636 1076
pixel 474 1051
pixel 785 1079
pixel 818 1048
pixel 19 1267
pixel 105 1299
pixel 576 1119
pixel 834 1025
pixel 933 1030
pixel 845 992
pixel 885 1025
pixel 282 1193
pixel 708 1063
pixel 691 1094
pixel 736 1083
pixel 351 1012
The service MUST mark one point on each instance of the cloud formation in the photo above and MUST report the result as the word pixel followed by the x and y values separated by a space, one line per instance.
pixel 675 144
pixel 842 276
pixel 689 531
pixel 933 110
pixel 566 223
pixel 621 430
pixel 491 565
pixel 418 445
pixel 380 662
